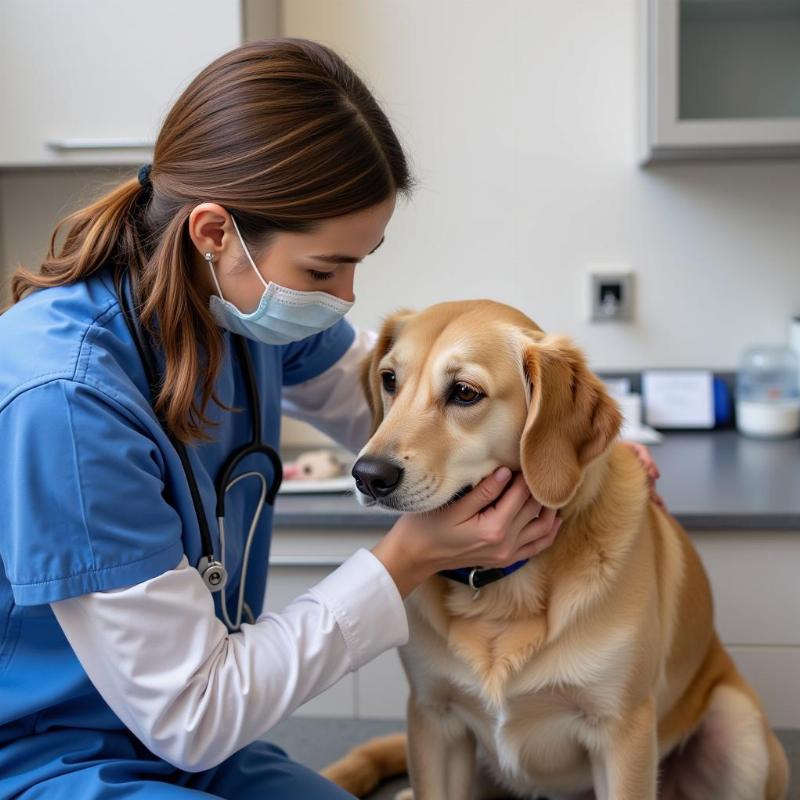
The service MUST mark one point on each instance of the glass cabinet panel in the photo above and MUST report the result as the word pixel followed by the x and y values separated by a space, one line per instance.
pixel 738 59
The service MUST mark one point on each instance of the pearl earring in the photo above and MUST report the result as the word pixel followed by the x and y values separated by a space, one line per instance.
pixel 209 256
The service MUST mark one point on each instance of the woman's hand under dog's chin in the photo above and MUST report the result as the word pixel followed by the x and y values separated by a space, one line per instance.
pixel 482 528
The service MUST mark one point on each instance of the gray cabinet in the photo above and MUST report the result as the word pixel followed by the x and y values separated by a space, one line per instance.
pixel 719 79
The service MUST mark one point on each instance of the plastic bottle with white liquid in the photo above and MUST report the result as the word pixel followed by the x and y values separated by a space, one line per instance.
pixel 768 392
pixel 794 338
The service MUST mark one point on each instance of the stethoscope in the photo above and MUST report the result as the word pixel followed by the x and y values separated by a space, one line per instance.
pixel 211 569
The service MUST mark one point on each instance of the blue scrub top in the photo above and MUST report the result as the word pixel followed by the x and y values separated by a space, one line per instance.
pixel 84 472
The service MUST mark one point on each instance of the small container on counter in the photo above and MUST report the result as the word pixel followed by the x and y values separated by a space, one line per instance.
pixel 794 336
pixel 767 392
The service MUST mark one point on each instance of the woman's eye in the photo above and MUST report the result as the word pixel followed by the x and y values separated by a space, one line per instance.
pixel 320 276
pixel 389 381
pixel 465 395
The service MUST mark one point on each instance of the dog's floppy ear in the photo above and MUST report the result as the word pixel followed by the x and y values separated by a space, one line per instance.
pixel 571 419
pixel 370 379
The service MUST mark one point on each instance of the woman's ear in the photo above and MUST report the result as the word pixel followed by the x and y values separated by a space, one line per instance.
pixel 370 378
pixel 571 419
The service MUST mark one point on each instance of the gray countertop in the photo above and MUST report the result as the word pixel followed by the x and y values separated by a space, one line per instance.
pixel 709 480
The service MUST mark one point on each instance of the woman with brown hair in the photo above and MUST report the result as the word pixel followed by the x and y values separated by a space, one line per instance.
pixel 122 385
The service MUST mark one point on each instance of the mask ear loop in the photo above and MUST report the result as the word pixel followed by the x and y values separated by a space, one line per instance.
pixel 247 253
pixel 209 257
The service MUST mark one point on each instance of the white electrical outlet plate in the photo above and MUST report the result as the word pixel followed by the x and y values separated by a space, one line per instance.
pixel 611 298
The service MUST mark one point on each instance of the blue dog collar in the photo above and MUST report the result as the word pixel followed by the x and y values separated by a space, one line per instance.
pixel 477 577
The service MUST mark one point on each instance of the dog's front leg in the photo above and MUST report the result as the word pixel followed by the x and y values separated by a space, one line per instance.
pixel 627 767
pixel 441 753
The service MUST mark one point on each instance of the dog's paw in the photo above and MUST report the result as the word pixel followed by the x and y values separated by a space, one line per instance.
pixel 405 794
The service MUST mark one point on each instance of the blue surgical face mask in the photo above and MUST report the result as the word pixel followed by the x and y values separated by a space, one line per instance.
pixel 283 315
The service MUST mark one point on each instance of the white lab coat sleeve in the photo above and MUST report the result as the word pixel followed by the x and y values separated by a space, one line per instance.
pixel 193 693
pixel 334 401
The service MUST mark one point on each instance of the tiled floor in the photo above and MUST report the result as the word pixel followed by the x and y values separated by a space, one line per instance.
pixel 317 742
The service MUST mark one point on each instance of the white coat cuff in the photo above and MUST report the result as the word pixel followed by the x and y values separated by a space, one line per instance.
pixel 364 598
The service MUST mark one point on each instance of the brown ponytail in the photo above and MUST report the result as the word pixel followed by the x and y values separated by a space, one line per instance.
pixel 280 132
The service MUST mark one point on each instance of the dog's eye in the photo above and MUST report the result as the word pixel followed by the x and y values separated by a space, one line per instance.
pixel 465 395
pixel 389 381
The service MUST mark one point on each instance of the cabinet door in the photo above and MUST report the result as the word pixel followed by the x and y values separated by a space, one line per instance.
pixel 382 688
pixel 753 577
pixel 87 82
pixel 720 78
pixel 299 558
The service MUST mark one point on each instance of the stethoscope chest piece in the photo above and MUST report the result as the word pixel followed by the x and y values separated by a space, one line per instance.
pixel 213 573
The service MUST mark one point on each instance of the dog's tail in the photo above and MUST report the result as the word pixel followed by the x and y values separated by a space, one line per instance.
pixel 365 766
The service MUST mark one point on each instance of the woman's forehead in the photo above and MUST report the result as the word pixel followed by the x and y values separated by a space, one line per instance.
pixel 353 236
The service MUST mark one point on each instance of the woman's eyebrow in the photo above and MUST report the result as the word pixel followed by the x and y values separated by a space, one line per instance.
pixel 339 259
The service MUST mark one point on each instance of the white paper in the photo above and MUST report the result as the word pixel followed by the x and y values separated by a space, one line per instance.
pixel 632 429
pixel 631 407
pixel 640 433
pixel 678 398
pixel 617 387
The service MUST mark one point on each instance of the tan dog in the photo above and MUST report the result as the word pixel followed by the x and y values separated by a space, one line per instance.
pixel 596 666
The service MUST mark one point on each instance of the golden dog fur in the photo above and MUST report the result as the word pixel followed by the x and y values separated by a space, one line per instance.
pixel 595 669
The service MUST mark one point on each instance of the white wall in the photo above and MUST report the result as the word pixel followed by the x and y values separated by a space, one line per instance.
pixel 519 117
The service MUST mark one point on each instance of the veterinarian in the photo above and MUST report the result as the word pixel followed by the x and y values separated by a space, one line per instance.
pixel 135 656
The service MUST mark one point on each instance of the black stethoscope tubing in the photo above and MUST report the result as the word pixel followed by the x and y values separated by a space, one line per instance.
pixel 211 569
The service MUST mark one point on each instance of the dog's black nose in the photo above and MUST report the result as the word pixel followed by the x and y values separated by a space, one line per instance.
pixel 376 477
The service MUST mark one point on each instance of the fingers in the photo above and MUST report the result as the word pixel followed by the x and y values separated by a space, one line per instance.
pixel 512 502
pixel 643 454
pixel 487 491
pixel 537 528
pixel 653 472
pixel 517 519
pixel 510 513
pixel 544 532
pixel 548 517
pixel 530 510
pixel 535 536
pixel 657 499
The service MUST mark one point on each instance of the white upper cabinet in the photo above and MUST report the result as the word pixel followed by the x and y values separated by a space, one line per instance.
pixel 88 82
pixel 720 78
